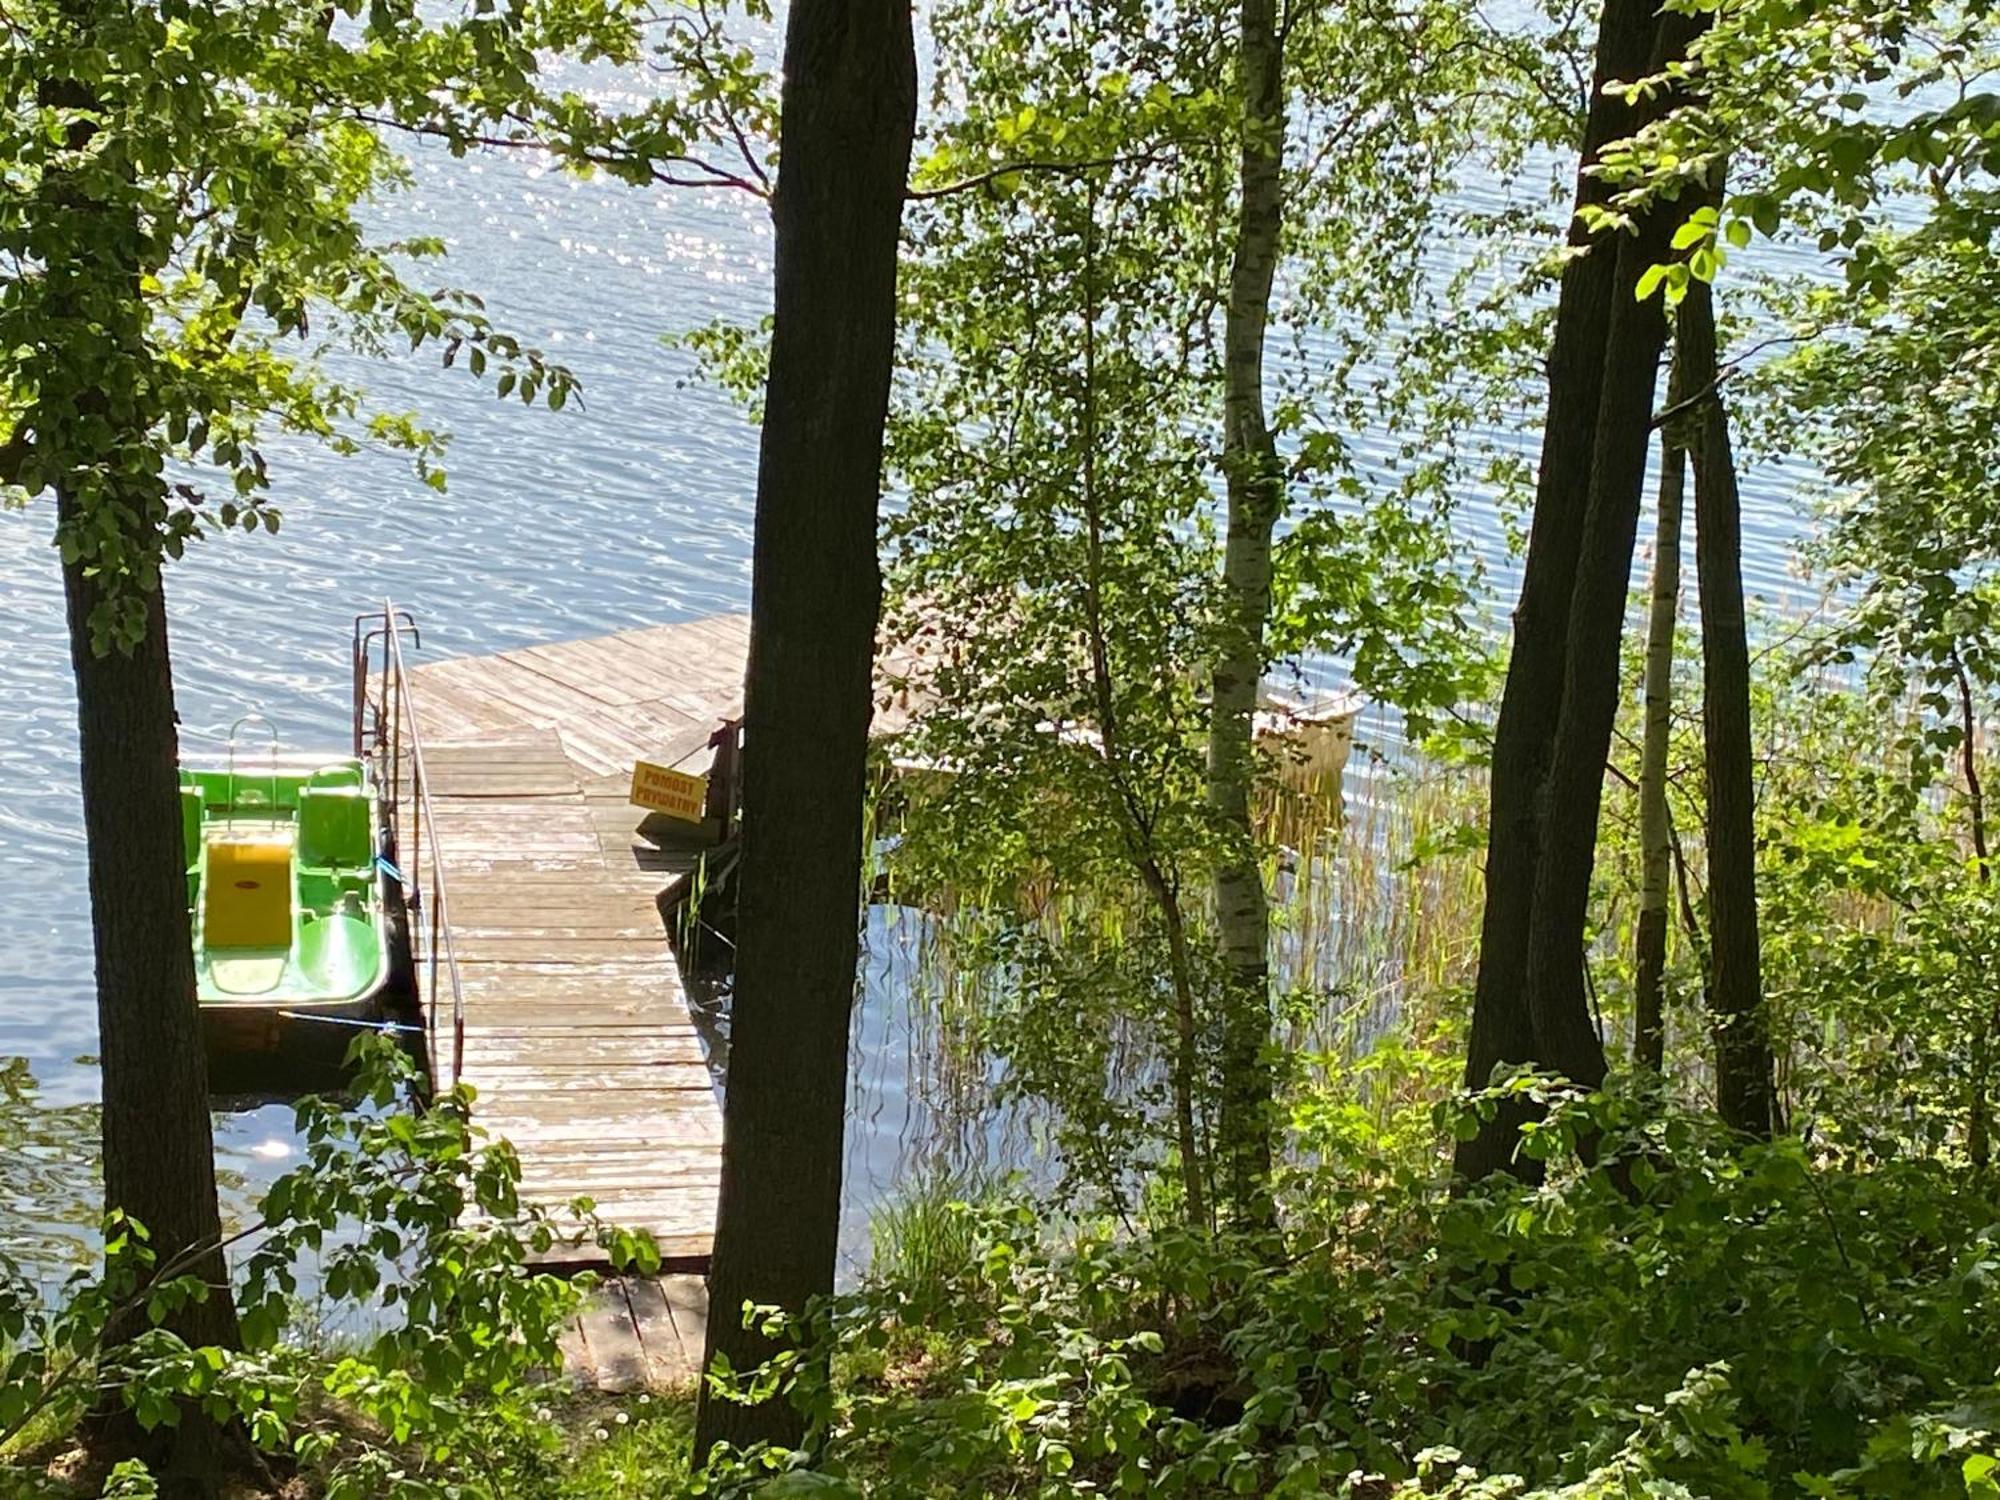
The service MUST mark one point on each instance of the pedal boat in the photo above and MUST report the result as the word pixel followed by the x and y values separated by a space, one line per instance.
pixel 286 898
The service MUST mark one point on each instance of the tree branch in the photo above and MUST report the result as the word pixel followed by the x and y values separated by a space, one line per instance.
pixel 924 195
pixel 1734 367
pixel 716 177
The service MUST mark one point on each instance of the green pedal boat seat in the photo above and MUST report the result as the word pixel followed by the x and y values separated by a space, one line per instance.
pixel 339 953
pixel 191 825
pixel 333 828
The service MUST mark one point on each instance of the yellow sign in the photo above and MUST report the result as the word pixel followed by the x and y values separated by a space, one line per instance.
pixel 674 793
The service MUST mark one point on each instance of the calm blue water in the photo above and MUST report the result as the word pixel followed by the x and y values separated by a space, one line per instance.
pixel 631 507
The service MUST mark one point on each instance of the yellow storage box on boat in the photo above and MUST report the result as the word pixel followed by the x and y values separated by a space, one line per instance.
pixel 247 894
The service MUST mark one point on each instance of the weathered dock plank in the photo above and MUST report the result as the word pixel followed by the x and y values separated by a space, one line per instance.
pixel 611 700
pixel 578 1038
pixel 577 1034
pixel 640 1332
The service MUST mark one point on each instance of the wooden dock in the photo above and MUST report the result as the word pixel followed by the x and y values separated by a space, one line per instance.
pixel 577 1030
pixel 609 700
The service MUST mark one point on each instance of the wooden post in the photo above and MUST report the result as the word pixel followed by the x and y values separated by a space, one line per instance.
pixel 722 773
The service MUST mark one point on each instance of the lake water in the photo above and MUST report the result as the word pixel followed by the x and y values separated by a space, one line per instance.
pixel 631 507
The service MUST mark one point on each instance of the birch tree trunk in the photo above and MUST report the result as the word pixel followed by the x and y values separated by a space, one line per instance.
pixel 1256 492
pixel 849 109
pixel 1649 1030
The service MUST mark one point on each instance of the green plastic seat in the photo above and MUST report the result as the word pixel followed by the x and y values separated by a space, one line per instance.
pixel 333 827
pixel 191 824
pixel 341 773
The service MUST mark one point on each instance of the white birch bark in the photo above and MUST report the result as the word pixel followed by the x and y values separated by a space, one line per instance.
pixel 1255 484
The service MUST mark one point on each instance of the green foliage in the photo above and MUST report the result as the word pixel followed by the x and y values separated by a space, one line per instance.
pixel 1668 1313
pixel 1880 928
pixel 182 227
pixel 1899 411
pixel 409 1220
pixel 1877 888
pixel 1681 1318
pixel 637 1447
pixel 1058 434
pixel 927 1235
pixel 1832 119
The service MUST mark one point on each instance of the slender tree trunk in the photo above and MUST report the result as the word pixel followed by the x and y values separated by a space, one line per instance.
pixel 1134 823
pixel 849 108
pixel 1656 839
pixel 1187 1042
pixel 1968 754
pixel 1979 1110
pixel 1136 831
pixel 1256 493
pixel 1503 1031
pixel 1746 1093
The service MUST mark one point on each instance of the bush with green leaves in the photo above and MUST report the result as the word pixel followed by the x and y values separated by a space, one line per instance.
pixel 409 1222
pixel 1667 1314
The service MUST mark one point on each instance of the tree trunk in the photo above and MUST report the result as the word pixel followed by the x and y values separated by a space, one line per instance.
pixel 1566 1037
pixel 1979 1109
pixel 1256 492
pixel 849 108
pixel 1649 1028
pixel 1187 1044
pixel 159 1153
pixel 1566 1034
pixel 1503 1031
pixel 1746 1093
pixel 158 1146
pixel 1135 827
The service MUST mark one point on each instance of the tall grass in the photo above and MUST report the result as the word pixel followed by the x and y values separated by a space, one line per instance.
pixel 1376 900
pixel 923 1237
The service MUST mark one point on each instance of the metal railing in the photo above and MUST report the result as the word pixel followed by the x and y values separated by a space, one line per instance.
pixel 386 734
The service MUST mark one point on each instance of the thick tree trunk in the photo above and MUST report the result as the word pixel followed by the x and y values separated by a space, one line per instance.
pixel 158 1147
pixel 1503 1031
pixel 1256 494
pixel 159 1153
pixel 1656 853
pixel 1566 1035
pixel 849 109
pixel 1746 1093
